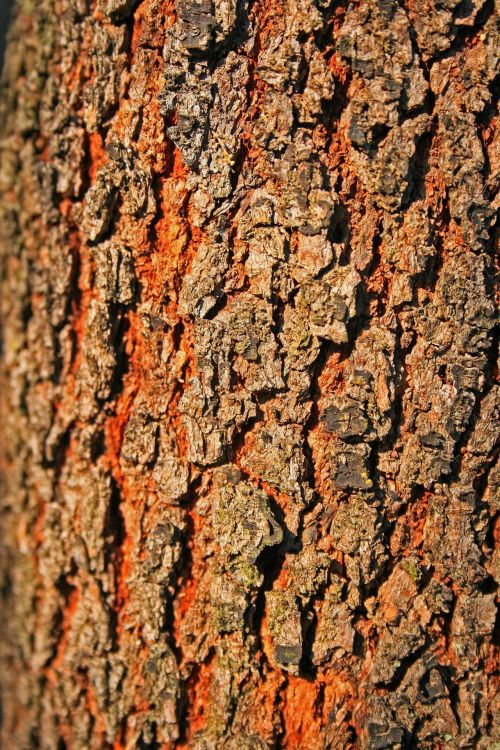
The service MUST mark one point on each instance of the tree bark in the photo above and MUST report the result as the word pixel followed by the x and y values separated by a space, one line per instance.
pixel 248 397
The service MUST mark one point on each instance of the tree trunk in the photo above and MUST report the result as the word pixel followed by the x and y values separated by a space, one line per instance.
pixel 249 408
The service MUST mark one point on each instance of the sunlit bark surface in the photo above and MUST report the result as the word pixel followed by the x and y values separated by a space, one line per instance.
pixel 248 396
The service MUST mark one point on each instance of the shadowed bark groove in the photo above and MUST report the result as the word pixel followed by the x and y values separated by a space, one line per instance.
pixel 249 396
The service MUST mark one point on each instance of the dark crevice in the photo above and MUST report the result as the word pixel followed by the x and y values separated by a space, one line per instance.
pixel 419 165
pixel 114 535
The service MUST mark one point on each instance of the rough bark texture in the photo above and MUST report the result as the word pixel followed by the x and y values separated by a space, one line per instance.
pixel 249 408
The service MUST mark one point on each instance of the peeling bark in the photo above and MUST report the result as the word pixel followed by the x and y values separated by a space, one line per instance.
pixel 249 393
